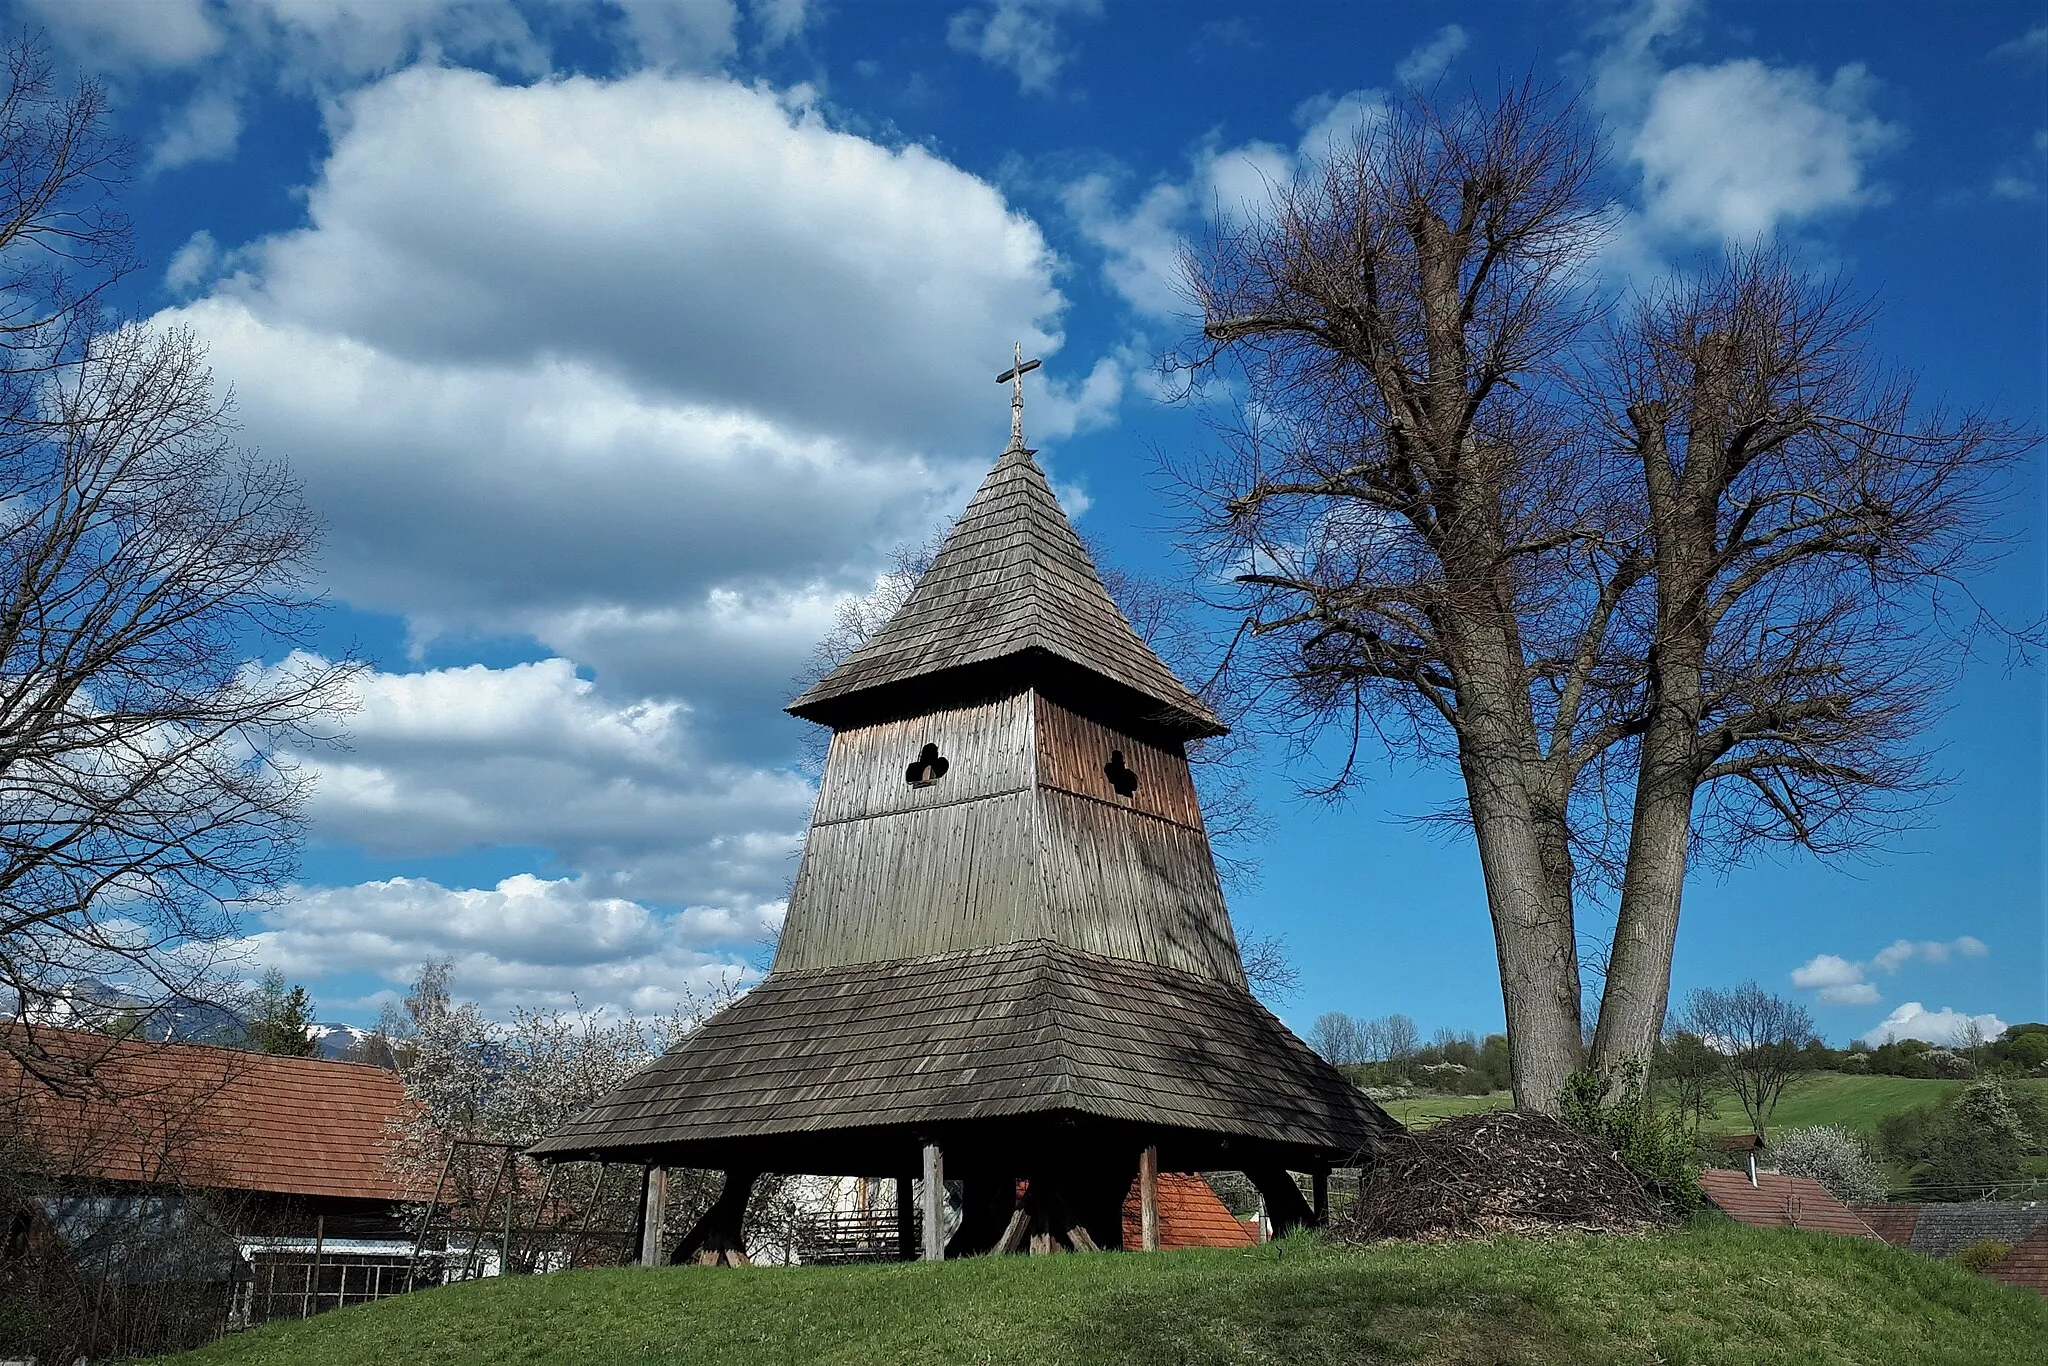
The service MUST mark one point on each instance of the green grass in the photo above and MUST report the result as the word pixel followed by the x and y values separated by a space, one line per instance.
pixel 1712 1293
pixel 1817 1098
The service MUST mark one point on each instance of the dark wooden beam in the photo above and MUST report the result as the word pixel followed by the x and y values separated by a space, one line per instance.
pixel 1285 1207
pixel 906 1218
pixel 719 1238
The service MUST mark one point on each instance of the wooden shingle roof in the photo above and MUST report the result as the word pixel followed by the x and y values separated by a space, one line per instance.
pixel 1012 583
pixel 1031 1028
pixel 194 1116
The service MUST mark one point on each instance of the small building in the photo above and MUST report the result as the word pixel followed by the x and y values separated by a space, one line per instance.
pixel 1007 964
pixel 1775 1200
pixel 250 1181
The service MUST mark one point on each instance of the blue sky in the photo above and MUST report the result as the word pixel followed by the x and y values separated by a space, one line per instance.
pixel 617 344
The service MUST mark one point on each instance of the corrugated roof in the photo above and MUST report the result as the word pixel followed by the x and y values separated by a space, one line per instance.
pixel 1780 1201
pixel 1030 1028
pixel 1012 580
pixel 1190 1215
pixel 216 1118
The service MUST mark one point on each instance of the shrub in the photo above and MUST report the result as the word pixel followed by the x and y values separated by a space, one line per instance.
pixel 1977 1256
pixel 1658 1148
pixel 1834 1157
pixel 2029 1050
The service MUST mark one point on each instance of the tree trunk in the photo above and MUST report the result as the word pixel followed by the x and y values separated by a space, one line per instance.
pixel 1638 986
pixel 1537 947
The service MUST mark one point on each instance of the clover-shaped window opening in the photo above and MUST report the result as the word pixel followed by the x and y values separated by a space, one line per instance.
pixel 927 769
pixel 1119 774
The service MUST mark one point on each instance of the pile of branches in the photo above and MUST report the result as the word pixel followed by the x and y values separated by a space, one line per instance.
pixel 1507 1171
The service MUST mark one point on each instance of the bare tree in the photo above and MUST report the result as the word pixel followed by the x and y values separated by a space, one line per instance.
pixel 1402 1038
pixel 1806 520
pixel 143 560
pixel 1335 1036
pixel 1603 563
pixel 1390 499
pixel 1755 1039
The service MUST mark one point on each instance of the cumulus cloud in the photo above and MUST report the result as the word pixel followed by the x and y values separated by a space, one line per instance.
pixel 661 365
pixel 620 791
pixel 206 129
pixel 2029 46
pixel 1141 242
pixel 526 942
pixel 1431 59
pixel 1842 982
pixel 1739 149
pixel 192 263
pixel 1021 36
pixel 1947 1026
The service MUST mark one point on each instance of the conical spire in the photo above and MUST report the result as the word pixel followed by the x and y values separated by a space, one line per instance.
pixel 1012 583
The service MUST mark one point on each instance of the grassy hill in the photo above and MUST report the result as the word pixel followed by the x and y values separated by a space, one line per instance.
pixel 1818 1098
pixel 1712 1293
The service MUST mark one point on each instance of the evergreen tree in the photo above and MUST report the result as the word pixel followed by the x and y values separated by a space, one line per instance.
pixel 280 1019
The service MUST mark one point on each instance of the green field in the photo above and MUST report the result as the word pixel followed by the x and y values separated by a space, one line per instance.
pixel 1818 1098
pixel 1712 1293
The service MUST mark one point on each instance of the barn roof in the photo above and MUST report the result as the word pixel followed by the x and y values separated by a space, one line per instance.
pixel 1031 1028
pixel 1012 583
pixel 1191 1214
pixel 1780 1201
pixel 215 1118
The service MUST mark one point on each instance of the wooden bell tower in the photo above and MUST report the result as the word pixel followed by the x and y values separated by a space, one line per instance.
pixel 1007 964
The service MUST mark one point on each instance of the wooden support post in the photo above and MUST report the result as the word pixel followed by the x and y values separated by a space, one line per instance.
pixel 653 1216
pixel 1148 1197
pixel 906 1218
pixel 934 1204
pixel 1319 1183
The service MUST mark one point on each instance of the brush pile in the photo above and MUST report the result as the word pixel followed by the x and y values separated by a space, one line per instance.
pixel 1505 1171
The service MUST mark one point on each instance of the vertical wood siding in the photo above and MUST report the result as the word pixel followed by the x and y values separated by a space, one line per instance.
pixel 1023 838
pixel 1128 885
pixel 1073 752
pixel 987 748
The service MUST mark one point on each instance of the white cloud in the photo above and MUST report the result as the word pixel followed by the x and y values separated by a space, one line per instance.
pixel 206 129
pixel 1021 36
pixel 780 21
pixel 581 358
pixel 171 33
pixel 191 263
pixel 1141 244
pixel 1742 148
pixel 1826 970
pixel 1431 59
pixel 621 791
pixel 1739 149
pixel 527 942
pixel 1946 1026
pixel 682 33
pixel 1841 982
pixel 2030 45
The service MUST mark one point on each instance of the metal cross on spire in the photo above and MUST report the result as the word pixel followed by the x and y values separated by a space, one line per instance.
pixel 1014 376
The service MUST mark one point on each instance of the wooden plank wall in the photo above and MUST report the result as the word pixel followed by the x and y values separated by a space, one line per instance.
pixel 1129 885
pixel 987 747
pixel 1024 838
pixel 1073 753
pixel 913 883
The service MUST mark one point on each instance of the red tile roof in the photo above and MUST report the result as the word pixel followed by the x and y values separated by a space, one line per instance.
pixel 1779 1201
pixel 1190 1215
pixel 2026 1266
pixel 1891 1221
pixel 214 1117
